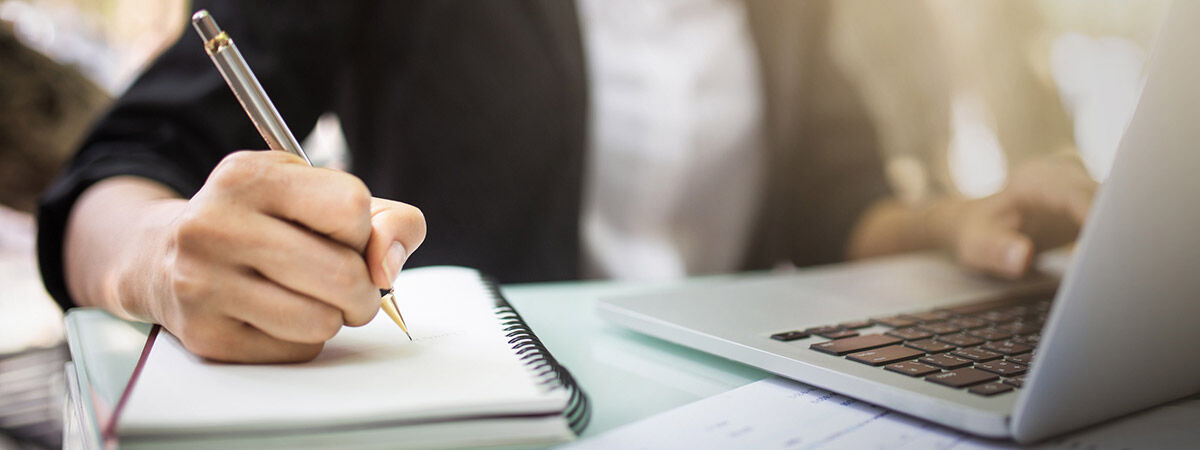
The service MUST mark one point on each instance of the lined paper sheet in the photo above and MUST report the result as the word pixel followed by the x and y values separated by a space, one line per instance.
pixel 782 414
pixel 459 364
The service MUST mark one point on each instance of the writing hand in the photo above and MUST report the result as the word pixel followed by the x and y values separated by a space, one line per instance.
pixel 264 264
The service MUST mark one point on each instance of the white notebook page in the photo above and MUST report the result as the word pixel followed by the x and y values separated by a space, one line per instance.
pixel 460 364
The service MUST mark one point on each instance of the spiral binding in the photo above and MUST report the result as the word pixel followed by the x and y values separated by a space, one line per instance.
pixel 548 371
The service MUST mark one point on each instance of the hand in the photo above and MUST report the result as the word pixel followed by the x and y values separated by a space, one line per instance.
pixel 265 263
pixel 1043 207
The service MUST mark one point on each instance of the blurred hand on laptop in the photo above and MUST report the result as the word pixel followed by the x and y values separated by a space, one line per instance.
pixel 1042 207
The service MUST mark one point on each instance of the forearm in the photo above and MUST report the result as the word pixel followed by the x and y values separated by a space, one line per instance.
pixel 115 243
pixel 889 227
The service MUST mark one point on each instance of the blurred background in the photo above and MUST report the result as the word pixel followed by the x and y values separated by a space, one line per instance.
pixel 960 92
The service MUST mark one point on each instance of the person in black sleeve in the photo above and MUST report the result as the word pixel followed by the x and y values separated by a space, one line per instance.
pixel 494 120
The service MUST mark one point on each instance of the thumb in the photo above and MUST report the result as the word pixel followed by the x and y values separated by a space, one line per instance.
pixel 996 249
pixel 397 229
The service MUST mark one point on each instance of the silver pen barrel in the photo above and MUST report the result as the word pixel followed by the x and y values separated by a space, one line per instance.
pixel 245 86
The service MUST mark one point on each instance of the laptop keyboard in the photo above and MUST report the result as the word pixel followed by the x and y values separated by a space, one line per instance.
pixel 985 347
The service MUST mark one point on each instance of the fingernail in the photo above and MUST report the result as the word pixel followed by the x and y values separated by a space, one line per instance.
pixel 394 260
pixel 1016 256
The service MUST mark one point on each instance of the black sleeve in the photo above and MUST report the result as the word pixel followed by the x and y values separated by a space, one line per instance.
pixel 179 119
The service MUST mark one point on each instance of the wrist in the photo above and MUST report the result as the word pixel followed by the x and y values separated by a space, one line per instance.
pixel 942 221
pixel 141 285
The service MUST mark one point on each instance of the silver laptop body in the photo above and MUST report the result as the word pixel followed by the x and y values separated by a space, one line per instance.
pixel 1119 337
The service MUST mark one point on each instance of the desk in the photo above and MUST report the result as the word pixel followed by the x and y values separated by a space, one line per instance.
pixel 628 376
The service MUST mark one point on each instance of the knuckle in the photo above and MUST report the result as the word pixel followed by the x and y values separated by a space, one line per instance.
pixel 363 315
pixel 355 198
pixel 242 168
pixel 189 283
pixel 318 326
pixel 325 326
pixel 204 228
pixel 303 353
pixel 206 342
pixel 347 275
pixel 192 231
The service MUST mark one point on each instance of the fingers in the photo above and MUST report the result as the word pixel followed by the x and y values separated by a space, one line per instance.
pixel 280 313
pixel 272 257
pixel 229 340
pixel 329 202
pixel 311 265
pixel 995 246
pixel 1054 185
pixel 1078 201
pixel 214 239
pixel 397 230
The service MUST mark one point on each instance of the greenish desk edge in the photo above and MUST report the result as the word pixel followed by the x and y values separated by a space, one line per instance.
pixel 628 376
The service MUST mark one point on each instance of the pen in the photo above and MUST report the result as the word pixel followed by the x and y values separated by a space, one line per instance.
pixel 262 112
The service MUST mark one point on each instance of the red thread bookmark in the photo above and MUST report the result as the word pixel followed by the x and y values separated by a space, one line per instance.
pixel 110 430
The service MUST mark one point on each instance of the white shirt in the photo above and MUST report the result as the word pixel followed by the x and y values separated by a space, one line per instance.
pixel 674 172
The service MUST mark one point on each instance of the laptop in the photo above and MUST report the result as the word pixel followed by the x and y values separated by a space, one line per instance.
pixel 1025 360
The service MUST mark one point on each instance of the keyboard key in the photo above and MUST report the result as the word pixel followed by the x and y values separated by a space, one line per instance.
pixel 962 377
pixel 912 368
pixel 998 316
pixel 855 344
pixel 989 389
pixel 822 329
pixel 839 334
pixel 960 340
pixel 885 355
pixel 939 327
pixel 977 354
pixel 1034 318
pixel 895 322
pixel 789 335
pixel 991 334
pixel 1002 368
pixel 1012 299
pixel 945 361
pixel 1015 381
pixel 1024 358
pixel 1019 311
pixel 855 325
pixel 927 316
pixel 1029 339
pixel 968 323
pixel 930 346
pixel 909 333
pixel 1008 347
pixel 1021 327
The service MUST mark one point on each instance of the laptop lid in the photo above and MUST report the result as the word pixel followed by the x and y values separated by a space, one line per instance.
pixel 1121 334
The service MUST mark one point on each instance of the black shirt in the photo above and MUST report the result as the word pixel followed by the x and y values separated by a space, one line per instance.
pixel 472 111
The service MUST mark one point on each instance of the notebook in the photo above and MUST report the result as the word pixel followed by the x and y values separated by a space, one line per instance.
pixel 473 375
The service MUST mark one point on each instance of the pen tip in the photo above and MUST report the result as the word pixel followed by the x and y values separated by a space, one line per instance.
pixel 388 303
